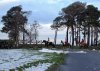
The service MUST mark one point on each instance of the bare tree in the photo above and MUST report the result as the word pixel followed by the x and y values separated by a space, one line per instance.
pixel 33 32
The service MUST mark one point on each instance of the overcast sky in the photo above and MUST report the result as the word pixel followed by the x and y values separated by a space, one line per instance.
pixel 44 11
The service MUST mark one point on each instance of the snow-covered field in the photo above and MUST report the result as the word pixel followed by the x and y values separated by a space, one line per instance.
pixel 14 58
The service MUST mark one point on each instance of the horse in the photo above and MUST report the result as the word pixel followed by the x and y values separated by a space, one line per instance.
pixel 83 44
pixel 66 44
pixel 48 43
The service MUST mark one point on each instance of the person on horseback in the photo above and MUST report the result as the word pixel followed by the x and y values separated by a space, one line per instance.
pixel 83 43
pixel 62 42
pixel 48 43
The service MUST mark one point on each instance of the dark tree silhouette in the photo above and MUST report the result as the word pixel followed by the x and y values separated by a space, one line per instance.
pixel 92 20
pixel 56 25
pixel 14 22
pixel 71 12
pixel 82 19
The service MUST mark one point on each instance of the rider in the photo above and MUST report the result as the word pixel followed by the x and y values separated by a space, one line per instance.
pixel 66 42
pixel 48 39
pixel 82 41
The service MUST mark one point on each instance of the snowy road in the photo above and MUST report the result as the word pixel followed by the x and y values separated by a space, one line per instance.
pixel 89 61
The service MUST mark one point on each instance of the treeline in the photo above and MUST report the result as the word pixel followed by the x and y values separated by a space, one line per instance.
pixel 81 21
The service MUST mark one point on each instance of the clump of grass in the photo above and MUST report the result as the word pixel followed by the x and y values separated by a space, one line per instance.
pixel 11 69
pixel 19 69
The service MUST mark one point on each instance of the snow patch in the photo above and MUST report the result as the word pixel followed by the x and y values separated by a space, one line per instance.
pixel 40 67
pixel 93 49
pixel 80 52
pixel 51 51
pixel 60 51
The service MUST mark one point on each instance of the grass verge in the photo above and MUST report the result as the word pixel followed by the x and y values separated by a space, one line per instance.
pixel 57 60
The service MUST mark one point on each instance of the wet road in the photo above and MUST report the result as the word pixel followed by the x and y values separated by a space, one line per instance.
pixel 89 61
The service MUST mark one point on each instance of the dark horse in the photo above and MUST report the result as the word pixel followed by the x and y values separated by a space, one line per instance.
pixel 48 43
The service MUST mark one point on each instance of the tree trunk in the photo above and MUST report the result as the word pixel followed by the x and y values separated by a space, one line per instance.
pixel 17 40
pixel 96 36
pixel 17 35
pixel 84 34
pixel 23 38
pixel 55 39
pixel 91 36
pixel 96 39
pixel 35 36
pixel 88 41
pixel 23 35
pixel 30 38
pixel 76 35
pixel 72 35
pixel 67 34
pixel 79 34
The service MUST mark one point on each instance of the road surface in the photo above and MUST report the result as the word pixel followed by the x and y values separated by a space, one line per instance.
pixel 89 61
